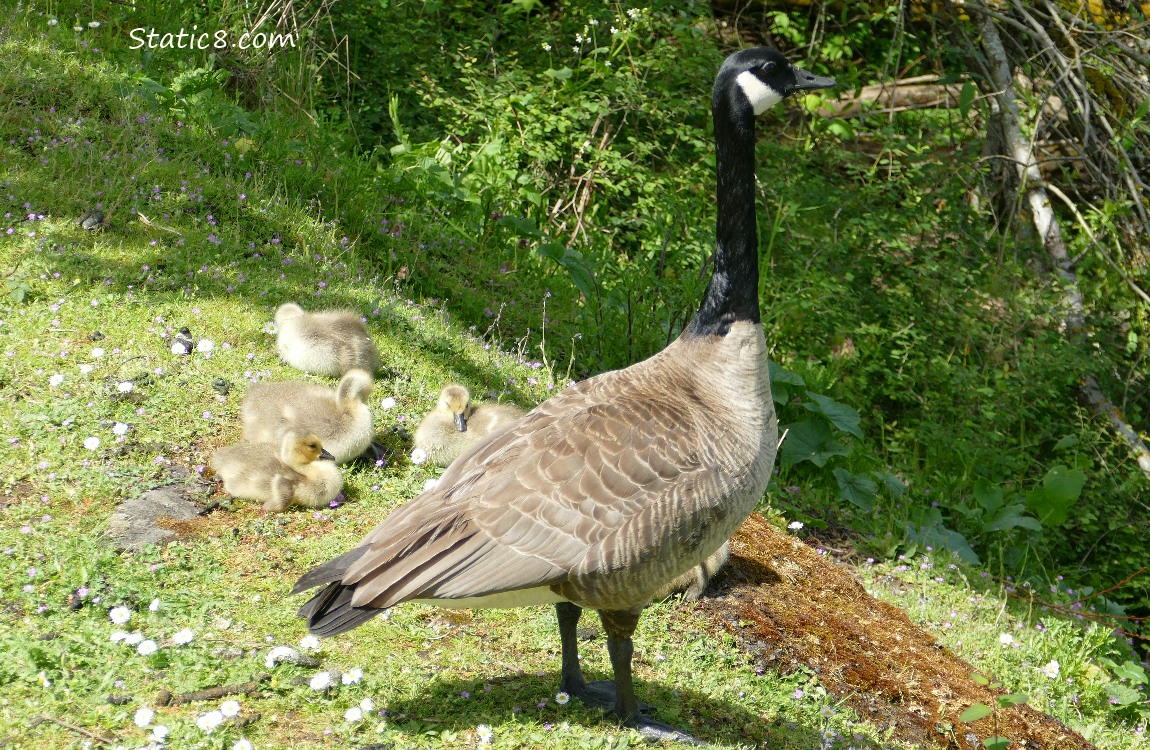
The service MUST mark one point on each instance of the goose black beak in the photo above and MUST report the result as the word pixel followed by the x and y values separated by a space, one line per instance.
pixel 325 456
pixel 805 81
pixel 461 422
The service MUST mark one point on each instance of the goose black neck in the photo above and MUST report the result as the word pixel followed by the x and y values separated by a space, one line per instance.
pixel 733 291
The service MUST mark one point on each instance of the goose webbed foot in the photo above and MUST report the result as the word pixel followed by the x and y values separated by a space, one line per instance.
pixel 656 731
pixel 602 694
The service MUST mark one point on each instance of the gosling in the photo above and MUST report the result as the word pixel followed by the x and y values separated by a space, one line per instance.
pixel 340 418
pixel 455 425
pixel 296 472
pixel 328 342
pixel 692 583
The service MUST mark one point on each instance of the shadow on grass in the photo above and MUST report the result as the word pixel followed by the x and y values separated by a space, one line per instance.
pixel 456 705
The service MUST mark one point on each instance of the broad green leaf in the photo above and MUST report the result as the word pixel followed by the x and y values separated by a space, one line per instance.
pixel 1014 699
pixel 979 679
pixel 1067 442
pixel 809 440
pixel 785 385
pixel 1060 490
pixel 996 743
pixel 840 415
pixel 559 74
pixel 966 98
pixel 929 530
pixel 1131 671
pixel 858 489
pixel 989 496
pixel 975 712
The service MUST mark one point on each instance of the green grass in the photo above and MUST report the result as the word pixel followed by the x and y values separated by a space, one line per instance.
pixel 246 239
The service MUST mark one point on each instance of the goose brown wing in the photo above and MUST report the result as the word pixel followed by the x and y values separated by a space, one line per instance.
pixel 535 504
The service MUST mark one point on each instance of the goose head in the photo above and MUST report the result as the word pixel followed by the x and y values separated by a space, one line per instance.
pixel 762 77
pixel 301 450
pixel 456 401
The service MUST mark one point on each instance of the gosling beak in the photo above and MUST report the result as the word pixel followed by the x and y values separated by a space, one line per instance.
pixel 460 422
pixel 325 456
pixel 805 81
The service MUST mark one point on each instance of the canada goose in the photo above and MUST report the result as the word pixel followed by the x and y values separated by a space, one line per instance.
pixel 456 424
pixel 340 418
pixel 612 488
pixel 296 471
pixel 328 342
pixel 692 583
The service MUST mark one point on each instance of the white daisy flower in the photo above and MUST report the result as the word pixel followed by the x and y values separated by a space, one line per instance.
pixel 388 403
pixel 97 352
pixel 154 605
pixel 243 743
pixel 367 705
pixel 179 348
pixel 418 456
pixel 321 681
pixel 1006 639
pixel 52 22
pixel 86 368
pixel 271 328
pixel 159 733
pixel 56 379
pixel 309 643
pixel 118 635
pixel 120 614
pixel 144 717
pixel 484 733
pixel 125 386
pixel 92 443
pixel 352 676
pixel 280 653
pixel 562 698
pixel 210 721
pixel 205 346
pixel 795 525
pixel 1052 669
pixel 93 25
pixel 230 708
pixel 147 648
pixel 353 714
pixel 119 429
pixel 134 639
pixel 183 637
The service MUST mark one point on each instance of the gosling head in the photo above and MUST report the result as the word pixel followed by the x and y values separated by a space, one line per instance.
pixel 456 400
pixel 301 450
pixel 287 311
pixel 355 385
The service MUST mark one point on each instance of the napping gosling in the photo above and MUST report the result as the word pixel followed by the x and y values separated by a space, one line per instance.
pixel 328 342
pixel 340 418
pixel 455 424
pixel 297 471
pixel 692 583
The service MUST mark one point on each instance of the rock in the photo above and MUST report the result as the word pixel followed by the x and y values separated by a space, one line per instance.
pixel 133 525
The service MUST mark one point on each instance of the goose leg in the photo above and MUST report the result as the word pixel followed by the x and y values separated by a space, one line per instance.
pixel 600 694
pixel 619 627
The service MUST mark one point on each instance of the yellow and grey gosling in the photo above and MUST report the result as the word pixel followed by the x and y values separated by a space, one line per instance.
pixel 456 424
pixel 327 342
pixel 604 493
pixel 296 471
pixel 692 583
pixel 341 418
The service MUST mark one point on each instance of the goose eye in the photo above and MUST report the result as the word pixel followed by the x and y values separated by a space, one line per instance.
pixel 767 67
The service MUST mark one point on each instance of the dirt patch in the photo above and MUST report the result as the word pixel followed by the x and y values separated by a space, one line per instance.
pixel 789 607
pixel 159 514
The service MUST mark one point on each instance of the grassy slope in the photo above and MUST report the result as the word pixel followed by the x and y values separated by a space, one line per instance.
pixel 70 141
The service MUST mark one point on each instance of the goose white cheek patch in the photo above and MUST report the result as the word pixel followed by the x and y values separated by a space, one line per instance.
pixel 761 96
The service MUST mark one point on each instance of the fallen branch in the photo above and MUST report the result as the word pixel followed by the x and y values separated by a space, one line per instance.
pixel 920 92
pixel 96 736
pixel 165 697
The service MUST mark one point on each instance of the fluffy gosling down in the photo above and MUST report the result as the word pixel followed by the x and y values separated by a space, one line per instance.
pixel 455 424
pixel 339 417
pixel 327 342
pixel 297 471
pixel 692 583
